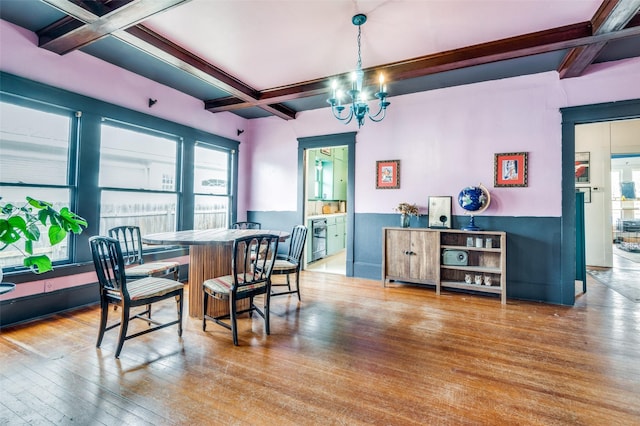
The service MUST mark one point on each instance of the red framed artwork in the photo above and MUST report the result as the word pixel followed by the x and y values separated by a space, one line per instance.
pixel 510 169
pixel 388 174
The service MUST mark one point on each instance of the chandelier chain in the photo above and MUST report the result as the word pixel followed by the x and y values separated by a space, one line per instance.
pixel 359 66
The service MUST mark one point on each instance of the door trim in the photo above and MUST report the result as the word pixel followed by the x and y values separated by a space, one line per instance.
pixel 339 139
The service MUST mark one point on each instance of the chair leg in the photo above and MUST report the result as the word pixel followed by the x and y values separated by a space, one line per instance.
pixel 267 300
pixel 232 317
pixel 298 284
pixel 205 302
pixel 124 325
pixel 288 283
pixel 104 313
pixel 179 303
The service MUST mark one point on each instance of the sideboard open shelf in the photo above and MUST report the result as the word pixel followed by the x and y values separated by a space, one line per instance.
pixel 482 268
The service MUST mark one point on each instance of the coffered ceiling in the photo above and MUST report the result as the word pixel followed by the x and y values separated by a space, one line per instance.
pixel 258 58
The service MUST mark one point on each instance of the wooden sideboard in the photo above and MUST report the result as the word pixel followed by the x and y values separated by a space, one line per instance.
pixel 446 258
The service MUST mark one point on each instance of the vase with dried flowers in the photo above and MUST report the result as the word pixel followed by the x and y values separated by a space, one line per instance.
pixel 407 210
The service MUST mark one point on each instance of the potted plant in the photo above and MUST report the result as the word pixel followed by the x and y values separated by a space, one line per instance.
pixel 20 227
pixel 407 210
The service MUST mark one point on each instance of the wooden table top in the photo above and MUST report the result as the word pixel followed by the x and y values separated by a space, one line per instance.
pixel 206 236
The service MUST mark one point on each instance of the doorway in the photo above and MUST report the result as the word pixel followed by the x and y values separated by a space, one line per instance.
pixel 326 191
pixel 325 202
pixel 571 117
pixel 607 171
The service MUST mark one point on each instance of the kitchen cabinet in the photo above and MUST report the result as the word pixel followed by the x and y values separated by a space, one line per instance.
pixel 327 174
pixel 335 234
pixel 339 179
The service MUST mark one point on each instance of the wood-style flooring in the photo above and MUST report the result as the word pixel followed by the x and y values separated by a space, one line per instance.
pixel 351 353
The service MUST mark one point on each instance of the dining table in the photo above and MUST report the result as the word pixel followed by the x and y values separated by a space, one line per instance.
pixel 210 254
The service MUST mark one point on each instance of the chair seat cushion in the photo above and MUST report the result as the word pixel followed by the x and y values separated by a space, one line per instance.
pixel 150 268
pixel 282 264
pixel 151 287
pixel 221 286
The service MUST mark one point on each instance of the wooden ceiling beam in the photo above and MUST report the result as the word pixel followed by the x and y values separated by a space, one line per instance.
pixel 62 40
pixel 612 15
pixel 88 21
pixel 153 44
pixel 229 103
pixel 560 38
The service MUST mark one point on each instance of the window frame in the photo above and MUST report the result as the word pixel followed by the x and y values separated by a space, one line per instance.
pixel 86 157
pixel 71 173
pixel 229 195
pixel 178 167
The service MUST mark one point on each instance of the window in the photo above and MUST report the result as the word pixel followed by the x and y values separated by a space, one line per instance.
pixel 35 146
pixel 138 169
pixel 211 187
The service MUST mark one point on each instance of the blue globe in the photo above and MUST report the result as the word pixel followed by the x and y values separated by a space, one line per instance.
pixel 473 198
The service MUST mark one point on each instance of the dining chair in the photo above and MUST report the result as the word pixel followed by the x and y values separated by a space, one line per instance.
pixel 115 289
pixel 246 225
pixel 131 245
pixel 250 276
pixel 290 263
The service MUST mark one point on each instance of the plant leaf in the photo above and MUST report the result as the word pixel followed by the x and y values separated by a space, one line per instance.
pixel 38 264
pixel 56 234
pixel 8 233
pixel 38 204
pixel 71 221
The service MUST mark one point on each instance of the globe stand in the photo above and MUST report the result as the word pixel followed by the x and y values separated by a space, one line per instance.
pixel 471 226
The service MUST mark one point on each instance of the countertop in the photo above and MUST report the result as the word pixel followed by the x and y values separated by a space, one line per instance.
pixel 321 216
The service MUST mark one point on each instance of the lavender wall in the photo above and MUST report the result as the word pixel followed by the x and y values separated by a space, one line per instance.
pixel 446 139
pixel 89 76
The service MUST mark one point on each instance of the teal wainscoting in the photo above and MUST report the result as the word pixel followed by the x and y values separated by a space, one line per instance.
pixel 533 249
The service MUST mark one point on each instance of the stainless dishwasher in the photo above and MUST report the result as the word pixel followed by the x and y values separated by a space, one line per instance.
pixel 318 239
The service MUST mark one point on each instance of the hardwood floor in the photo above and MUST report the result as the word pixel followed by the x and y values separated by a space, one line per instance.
pixel 352 352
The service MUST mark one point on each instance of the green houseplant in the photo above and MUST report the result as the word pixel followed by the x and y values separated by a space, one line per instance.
pixel 20 227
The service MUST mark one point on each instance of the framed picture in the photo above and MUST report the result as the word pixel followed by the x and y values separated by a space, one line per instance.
pixel 439 212
pixel 587 192
pixel 582 167
pixel 510 169
pixel 388 174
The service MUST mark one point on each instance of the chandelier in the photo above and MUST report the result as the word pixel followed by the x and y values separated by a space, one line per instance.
pixel 358 106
